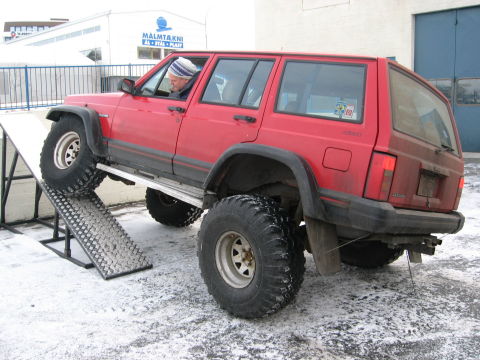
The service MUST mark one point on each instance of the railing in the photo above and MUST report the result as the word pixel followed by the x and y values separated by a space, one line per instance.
pixel 27 87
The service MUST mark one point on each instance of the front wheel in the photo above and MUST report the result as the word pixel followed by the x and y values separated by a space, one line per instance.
pixel 250 261
pixel 67 163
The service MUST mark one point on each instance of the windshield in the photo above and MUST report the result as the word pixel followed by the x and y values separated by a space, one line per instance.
pixel 419 112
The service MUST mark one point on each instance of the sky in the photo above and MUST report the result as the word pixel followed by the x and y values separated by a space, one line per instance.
pixel 228 21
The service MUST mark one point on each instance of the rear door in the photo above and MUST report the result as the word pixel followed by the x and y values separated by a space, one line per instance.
pixel 226 110
pixel 324 109
pixel 417 127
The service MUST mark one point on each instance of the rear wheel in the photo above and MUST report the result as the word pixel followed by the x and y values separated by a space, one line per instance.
pixel 170 211
pixel 369 254
pixel 67 163
pixel 250 261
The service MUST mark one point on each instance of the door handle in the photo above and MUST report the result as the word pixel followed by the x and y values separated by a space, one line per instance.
pixel 249 119
pixel 176 108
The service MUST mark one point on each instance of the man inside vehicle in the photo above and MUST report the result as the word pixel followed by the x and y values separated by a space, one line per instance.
pixel 182 74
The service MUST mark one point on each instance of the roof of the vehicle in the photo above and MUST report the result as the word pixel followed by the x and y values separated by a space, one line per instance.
pixel 277 53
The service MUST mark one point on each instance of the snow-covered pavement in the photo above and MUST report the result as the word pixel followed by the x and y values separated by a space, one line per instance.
pixel 52 309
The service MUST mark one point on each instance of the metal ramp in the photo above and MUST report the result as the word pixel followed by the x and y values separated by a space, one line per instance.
pixel 101 237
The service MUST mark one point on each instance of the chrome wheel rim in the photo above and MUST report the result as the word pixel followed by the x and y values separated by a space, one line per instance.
pixel 235 259
pixel 66 150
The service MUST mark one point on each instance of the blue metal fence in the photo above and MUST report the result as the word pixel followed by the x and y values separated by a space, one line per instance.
pixel 27 87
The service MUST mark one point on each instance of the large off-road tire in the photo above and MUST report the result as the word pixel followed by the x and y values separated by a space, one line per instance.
pixel 170 211
pixel 369 254
pixel 67 163
pixel 250 261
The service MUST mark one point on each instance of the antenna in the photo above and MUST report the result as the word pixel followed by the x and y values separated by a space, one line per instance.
pixel 411 274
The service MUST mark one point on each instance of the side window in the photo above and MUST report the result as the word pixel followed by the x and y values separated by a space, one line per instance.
pixel 151 86
pixel 419 112
pixel 159 85
pixel 326 90
pixel 238 82
pixel 256 85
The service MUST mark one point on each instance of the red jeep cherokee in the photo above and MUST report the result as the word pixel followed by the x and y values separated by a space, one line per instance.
pixel 362 151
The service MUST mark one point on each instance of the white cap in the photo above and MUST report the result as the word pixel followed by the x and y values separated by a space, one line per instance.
pixel 182 68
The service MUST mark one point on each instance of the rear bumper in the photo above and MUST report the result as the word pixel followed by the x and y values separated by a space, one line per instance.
pixel 382 218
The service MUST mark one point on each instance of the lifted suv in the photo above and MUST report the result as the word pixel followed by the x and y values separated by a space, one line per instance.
pixel 362 151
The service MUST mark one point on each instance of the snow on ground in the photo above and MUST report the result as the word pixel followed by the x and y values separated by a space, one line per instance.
pixel 52 309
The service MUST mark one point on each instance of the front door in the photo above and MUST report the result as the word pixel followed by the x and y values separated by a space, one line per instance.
pixel 145 127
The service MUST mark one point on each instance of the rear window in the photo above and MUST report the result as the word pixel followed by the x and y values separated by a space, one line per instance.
pixel 325 90
pixel 419 112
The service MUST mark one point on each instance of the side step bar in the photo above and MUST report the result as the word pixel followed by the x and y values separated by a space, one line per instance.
pixel 186 193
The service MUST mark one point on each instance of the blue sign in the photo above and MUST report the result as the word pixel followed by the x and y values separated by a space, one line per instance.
pixel 154 39
pixel 162 24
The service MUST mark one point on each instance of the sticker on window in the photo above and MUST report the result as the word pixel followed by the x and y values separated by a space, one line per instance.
pixel 344 110
pixel 349 111
pixel 340 108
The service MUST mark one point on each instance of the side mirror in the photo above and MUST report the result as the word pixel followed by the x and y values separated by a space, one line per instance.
pixel 127 86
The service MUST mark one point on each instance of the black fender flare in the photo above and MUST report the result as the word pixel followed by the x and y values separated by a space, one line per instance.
pixel 91 122
pixel 307 184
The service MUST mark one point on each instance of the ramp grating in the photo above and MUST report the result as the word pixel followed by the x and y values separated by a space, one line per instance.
pixel 106 243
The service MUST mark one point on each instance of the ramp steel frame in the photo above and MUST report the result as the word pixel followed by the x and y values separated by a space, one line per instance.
pixel 86 219
pixel 5 186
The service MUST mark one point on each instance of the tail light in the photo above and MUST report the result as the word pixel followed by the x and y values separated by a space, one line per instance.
pixel 461 182
pixel 380 176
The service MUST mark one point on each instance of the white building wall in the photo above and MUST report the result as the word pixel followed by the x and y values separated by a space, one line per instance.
pixel 363 27
pixel 118 34
pixel 127 29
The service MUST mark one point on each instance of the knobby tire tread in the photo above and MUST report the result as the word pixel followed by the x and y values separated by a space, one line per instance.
pixel 282 255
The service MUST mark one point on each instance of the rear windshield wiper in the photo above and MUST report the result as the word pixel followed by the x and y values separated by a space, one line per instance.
pixel 444 148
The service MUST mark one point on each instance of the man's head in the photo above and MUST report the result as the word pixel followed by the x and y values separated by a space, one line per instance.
pixel 180 72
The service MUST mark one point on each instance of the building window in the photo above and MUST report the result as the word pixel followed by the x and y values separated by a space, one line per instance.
pixel 166 52
pixel 93 54
pixel 66 36
pixel 148 53
pixel 445 86
pixel 468 92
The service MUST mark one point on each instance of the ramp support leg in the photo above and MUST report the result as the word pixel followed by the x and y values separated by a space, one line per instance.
pixel 68 251
pixel 38 194
pixel 6 190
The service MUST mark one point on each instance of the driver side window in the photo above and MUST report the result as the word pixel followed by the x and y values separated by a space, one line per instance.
pixel 157 85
